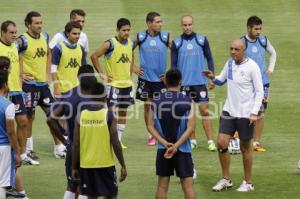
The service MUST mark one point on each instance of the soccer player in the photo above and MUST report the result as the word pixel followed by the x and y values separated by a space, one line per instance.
pixel 240 112
pixel 68 106
pixel 35 53
pixel 190 53
pixel 67 57
pixel 153 47
pixel 76 15
pixel 256 47
pixel 118 56
pixel 95 135
pixel 171 121
pixel 10 158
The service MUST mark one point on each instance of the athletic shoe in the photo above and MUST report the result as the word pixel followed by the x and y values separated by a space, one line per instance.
pixel 212 147
pixel 12 192
pixel 245 187
pixel 223 184
pixel 32 155
pixel 151 141
pixel 258 148
pixel 194 174
pixel 60 151
pixel 123 146
pixel 28 161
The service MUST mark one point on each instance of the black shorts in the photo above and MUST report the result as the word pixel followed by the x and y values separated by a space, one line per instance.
pixel 181 162
pixel 146 89
pixel 119 97
pixel 37 96
pixel 266 96
pixel 72 184
pixel 18 99
pixel 229 125
pixel 197 93
pixel 98 182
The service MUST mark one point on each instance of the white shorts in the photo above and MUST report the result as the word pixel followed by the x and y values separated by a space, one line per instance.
pixel 7 166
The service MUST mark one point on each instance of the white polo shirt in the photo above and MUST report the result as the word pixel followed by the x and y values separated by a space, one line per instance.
pixel 244 88
pixel 60 36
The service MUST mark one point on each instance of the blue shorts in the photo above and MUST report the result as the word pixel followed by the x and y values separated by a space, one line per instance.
pixel 37 96
pixel 146 89
pixel 198 93
pixel 181 162
pixel 97 182
pixel 229 125
pixel 119 97
pixel 18 99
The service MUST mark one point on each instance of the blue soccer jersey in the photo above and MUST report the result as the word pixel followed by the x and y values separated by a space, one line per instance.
pixel 192 55
pixel 153 54
pixel 171 111
pixel 256 50
pixel 4 104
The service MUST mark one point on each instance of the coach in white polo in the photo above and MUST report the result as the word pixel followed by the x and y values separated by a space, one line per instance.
pixel 244 98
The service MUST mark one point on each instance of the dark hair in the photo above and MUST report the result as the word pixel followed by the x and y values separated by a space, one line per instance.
pixel 70 25
pixel 86 77
pixel 4 63
pixel 253 20
pixel 29 16
pixel 98 91
pixel 173 77
pixel 122 22
pixel 5 24
pixel 75 12
pixel 3 78
pixel 151 15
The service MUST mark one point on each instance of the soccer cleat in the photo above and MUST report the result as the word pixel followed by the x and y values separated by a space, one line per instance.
pixel 193 143
pixel 223 184
pixel 32 155
pixel 245 187
pixel 123 146
pixel 28 161
pixel 12 192
pixel 212 147
pixel 258 148
pixel 299 164
pixel 151 141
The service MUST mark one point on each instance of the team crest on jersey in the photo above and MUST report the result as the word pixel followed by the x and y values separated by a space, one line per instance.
pixel 203 94
pixel 254 49
pixel 152 43
pixel 17 107
pixel 190 46
pixel 46 100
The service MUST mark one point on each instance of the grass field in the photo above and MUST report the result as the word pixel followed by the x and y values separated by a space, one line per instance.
pixel 274 173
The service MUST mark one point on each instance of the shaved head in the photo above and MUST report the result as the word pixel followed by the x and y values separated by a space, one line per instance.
pixel 187 24
pixel 237 50
pixel 186 18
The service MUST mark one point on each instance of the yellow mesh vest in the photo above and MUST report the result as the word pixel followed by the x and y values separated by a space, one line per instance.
pixel 95 147
pixel 11 52
pixel 35 57
pixel 68 67
pixel 118 64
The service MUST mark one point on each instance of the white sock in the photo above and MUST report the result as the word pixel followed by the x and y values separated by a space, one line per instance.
pixel 210 141
pixel 82 197
pixel 29 145
pixel 255 143
pixel 69 195
pixel 193 141
pixel 23 156
pixel 2 193
pixel 120 129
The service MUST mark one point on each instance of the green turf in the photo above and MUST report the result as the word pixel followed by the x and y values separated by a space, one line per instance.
pixel 274 172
